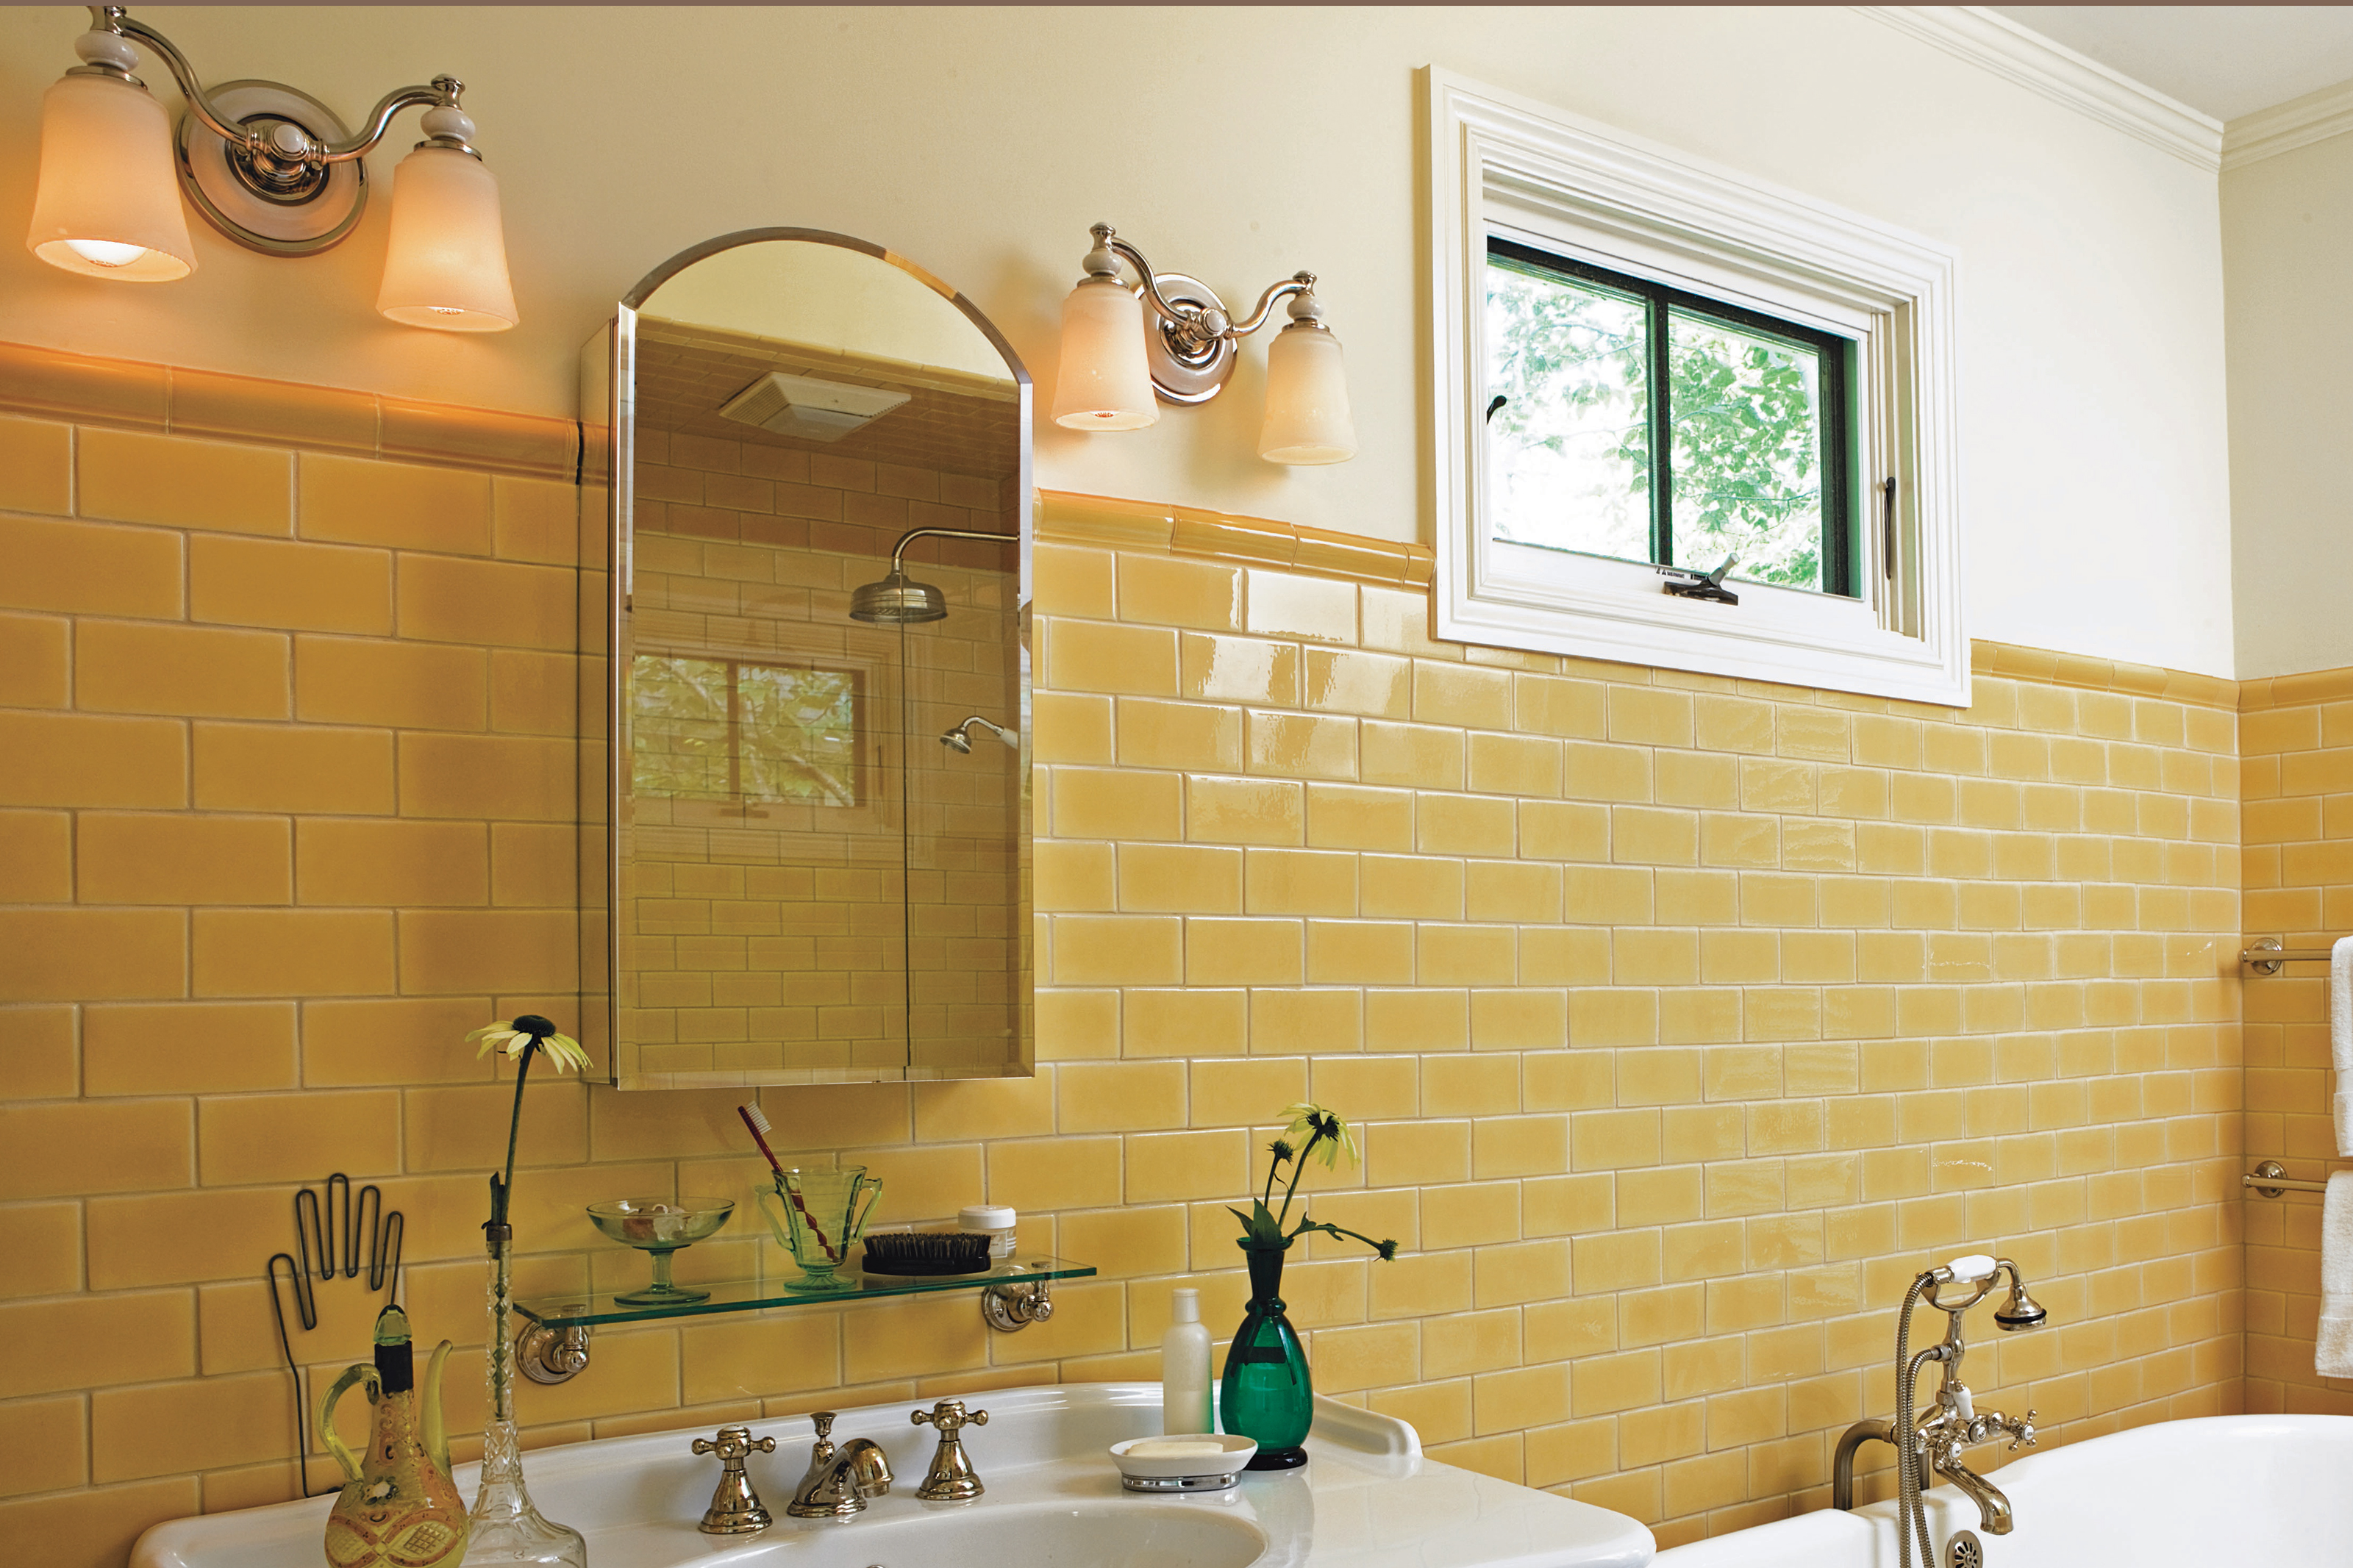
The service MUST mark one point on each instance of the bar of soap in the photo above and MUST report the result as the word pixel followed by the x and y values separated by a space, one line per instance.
pixel 1175 1448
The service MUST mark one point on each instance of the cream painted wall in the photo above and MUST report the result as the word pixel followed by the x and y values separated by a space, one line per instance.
pixel 2287 232
pixel 1239 145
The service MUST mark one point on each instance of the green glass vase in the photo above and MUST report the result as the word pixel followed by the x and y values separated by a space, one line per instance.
pixel 1265 1394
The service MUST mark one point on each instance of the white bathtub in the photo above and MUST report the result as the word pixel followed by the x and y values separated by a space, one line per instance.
pixel 2261 1491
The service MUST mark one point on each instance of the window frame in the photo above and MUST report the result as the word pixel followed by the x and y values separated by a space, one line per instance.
pixel 1503 166
pixel 1661 303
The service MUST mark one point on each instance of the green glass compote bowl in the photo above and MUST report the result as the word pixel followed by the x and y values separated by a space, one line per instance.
pixel 660 1226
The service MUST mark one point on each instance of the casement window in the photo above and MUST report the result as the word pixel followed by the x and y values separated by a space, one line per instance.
pixel 1651 370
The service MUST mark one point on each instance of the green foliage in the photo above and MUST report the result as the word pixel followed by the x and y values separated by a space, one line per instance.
pixel 1329 1138
pixel 1747 448
pixel 1572 364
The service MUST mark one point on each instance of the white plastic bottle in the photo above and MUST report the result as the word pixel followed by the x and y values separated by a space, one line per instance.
pixel 1185 1367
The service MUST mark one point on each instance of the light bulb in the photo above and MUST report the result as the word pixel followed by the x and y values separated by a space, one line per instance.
pixel 108 206
pixel 105 252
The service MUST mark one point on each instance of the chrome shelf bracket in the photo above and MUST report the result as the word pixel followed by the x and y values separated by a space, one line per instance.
pixel 552 1356
pixel 1009 1309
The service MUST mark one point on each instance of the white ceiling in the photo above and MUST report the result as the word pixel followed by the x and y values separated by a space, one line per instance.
pixel 2227 60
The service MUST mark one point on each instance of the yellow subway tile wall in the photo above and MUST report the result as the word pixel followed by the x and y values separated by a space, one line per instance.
pixel 1683 1018
pixel 2297 735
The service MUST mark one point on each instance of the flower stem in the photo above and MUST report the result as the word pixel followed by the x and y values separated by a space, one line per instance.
pixel 1298 1169
pixel 500 1193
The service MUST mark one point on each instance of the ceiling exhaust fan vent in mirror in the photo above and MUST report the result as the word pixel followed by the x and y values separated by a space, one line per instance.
pixel 810 409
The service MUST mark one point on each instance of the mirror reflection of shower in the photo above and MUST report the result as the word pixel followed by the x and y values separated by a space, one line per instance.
pixel 898 600
pixel 959 738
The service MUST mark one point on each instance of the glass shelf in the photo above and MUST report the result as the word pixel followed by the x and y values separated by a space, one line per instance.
pixel 562 1312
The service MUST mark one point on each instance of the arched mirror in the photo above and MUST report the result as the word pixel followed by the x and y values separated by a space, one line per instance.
pixel 804 519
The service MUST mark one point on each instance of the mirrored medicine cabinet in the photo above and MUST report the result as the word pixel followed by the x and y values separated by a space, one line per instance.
pixel 805 702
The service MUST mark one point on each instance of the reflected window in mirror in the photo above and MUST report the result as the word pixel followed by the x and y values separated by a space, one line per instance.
pixel 748 734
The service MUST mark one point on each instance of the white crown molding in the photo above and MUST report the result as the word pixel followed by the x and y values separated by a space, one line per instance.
pixel 2284 127
pixel 1993 42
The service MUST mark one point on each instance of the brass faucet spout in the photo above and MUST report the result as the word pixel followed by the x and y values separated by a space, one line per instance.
pixel 1993 1509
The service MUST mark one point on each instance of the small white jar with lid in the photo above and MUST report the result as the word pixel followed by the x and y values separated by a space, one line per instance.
pixel 994 1222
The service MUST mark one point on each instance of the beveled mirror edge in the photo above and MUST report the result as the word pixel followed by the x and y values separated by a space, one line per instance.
pixel 608 379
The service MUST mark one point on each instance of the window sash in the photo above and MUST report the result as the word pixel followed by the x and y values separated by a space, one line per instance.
pixel 1833 352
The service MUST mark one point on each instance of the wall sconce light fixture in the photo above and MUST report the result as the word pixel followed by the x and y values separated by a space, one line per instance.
pixel 271 168
pixel 1181 348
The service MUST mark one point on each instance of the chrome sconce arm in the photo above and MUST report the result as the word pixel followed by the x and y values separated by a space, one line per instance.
pixel 1198 335
pixel 1114 371
pixel 270 167
pixel 279 147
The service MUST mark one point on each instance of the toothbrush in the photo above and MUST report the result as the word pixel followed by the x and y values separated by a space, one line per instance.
pixel 756 1119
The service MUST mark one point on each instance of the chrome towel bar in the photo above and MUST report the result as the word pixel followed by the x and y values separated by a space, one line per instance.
pixel 2266 956
pixel 2271 1179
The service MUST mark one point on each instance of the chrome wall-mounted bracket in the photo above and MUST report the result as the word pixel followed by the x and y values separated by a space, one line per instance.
pixel 1191 356
pixel 1009 1309
pixel 552 1354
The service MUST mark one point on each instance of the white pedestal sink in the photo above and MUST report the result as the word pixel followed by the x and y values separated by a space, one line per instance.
pixel 1367 1498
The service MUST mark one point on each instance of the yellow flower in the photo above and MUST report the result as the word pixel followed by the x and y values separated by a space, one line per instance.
pixel 1328 1136
pixel 562 1051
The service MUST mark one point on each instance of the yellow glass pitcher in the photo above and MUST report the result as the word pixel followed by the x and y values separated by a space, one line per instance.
pixel 398 1509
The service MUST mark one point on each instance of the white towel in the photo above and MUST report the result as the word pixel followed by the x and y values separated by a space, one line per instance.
pixel 2332 1348
pixel 2340 1036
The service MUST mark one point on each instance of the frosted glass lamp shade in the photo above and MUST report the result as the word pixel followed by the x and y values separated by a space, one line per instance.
pixel 1103 384
pixel 108 206
pixel 1307 419
pixel 446 263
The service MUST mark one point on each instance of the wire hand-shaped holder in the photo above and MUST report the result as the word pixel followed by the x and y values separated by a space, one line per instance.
pixel 328 1237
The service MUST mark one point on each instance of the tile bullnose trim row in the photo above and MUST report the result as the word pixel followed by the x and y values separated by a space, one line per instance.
pixel 2296 690
pixel 53 383
pixel 1117 523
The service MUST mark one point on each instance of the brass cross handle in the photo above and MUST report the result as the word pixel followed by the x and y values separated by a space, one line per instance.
pixel 948 1415
pixel 952 1478
pixel 734 1444
pixel 735 1509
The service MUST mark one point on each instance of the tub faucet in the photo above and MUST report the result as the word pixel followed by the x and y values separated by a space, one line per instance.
pixel 839 1480
pixel 1935 1440
pixel 1955 1425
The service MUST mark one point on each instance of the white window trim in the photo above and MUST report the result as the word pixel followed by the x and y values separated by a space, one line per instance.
pixel 1501 163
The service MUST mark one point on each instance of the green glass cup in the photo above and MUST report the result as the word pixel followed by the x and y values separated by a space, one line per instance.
pixel 660 1226
pixel 818 1217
